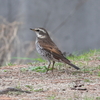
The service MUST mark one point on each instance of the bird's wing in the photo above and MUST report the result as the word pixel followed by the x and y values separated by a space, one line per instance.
pixel 51 46
pixel 57 54
pixel 53 49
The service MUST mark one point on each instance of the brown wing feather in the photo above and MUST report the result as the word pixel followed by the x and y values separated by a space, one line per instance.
pixel 51 47
pixel 57 54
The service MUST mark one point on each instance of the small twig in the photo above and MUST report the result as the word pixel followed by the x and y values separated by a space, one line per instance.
pixel 79 86
pixel 83 89
pixel 5 91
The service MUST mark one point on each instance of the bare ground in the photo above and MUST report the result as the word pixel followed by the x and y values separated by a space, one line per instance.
pixel 64 84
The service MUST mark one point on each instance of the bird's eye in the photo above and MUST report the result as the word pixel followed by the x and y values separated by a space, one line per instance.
pixel 37 30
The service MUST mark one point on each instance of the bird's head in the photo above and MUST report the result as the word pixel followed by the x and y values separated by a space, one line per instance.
pixel 40 32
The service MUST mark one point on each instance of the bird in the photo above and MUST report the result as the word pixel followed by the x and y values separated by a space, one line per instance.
pixel 48 49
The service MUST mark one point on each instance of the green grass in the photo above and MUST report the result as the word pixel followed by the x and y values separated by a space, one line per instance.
pixel 38 90
pixel 42 69
pixel 88 62
pixel 75 57
pixel 30 87
pixel 97 98
pixel 36 69
pixel 87 80
pixel 85 56
pixel 99 74
pixel 84 59
pixel 88 98
pixel 98 67
pixel 14 93
pixel 18 86
pixel 52 97
pixel 5 70
pixel 23 58
pixel 81 60
pixel 10 64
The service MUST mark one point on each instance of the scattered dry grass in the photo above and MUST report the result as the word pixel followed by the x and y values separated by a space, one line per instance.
pixel 64 84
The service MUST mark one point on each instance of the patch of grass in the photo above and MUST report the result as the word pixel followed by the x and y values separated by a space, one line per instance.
pixel 82 63
pixel 87 80
pixel 89 69
pixel 97 98
pixel 23 58
pixel 35 90
pixel 98 58
pixel 76 96
pixel 40 59
pixel 30 87
pixel 91 73
pixel 85 56
pixel 99 73
pixel 10 64
pixel 23 69
pixel 14 93
pixel 52 97
pixel 38 90
pixel 88 98
pixel 42 69
pixel 38 69
pixel 70 99
pixel 76 72
pixel 81 60
pixel 5 70
pixel 18 86
pixel 86 70
pixel 59 64
pixel 98 67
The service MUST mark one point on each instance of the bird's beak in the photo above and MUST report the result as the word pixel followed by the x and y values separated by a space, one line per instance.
pixel 32 29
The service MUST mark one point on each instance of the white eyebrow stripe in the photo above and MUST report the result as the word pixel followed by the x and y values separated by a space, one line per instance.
pixel 41 30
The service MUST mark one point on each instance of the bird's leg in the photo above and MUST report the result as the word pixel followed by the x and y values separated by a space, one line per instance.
pixel 48 66
pixel 53 66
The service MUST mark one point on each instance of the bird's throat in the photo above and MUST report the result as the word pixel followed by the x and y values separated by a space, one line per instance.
pixel 41 36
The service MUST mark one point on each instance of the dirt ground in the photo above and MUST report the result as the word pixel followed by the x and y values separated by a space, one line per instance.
pixel 59 85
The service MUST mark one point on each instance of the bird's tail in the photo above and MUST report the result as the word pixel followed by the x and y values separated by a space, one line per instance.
pixel 74 66
pixel 69 63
